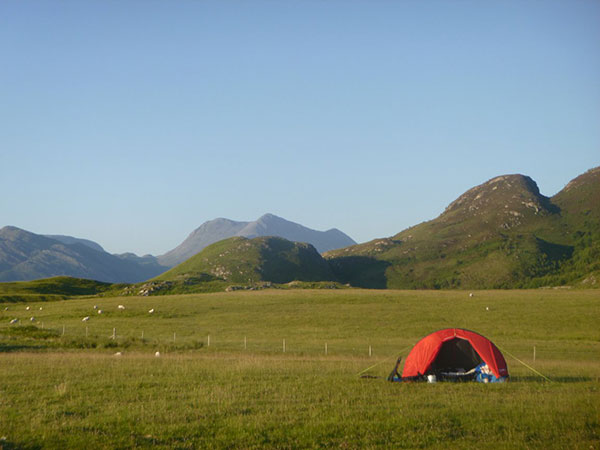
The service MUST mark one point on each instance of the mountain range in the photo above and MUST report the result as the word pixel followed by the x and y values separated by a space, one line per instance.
pixel 267 225
pixel 501 234
pixel 28 256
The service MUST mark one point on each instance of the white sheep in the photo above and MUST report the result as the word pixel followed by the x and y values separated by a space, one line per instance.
pixel 151 311
pixel 32 319
pixel 157 354
pixel 27 309
pixel 99 311
pixel 118 354
pixel 471 294
pixel 14 321
pixel 121 307
pixel 85 319
pixel 95 306
pixel 41 308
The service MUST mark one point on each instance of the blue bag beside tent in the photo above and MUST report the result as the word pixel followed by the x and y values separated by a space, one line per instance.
pixel 483 374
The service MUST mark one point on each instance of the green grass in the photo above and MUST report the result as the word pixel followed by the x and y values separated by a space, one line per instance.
pixel 54 394
pixel 52 289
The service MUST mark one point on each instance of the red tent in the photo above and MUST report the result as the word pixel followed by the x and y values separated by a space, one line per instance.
pixel 453 348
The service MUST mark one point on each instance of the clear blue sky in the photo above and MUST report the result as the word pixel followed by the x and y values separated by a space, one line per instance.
pixel 132 122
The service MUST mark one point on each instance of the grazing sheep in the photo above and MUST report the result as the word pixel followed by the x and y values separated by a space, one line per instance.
pixel 471 294
pixel 121 307
pixel 118 354
pixel 14 321
pixel 27 309
pixel 151 311
pixel 487 308
pixel 41 308
pixel 32 319
pixel 85 319
pixel 95 306
pixel 99 311
pixel 157 354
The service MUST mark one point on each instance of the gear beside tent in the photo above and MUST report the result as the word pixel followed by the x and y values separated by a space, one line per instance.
pixel 453 354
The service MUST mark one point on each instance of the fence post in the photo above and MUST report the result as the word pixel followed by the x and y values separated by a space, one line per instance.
pixel 370 351
pixel 114 336
pixel 284 346
pixel 326 348
pixel 534 353
pixel 245 343
pixel 208 341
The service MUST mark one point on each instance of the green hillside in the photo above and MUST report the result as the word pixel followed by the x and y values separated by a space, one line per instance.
pixel 500 234
pixel 55 288
pixel 579 203
pixel 246 261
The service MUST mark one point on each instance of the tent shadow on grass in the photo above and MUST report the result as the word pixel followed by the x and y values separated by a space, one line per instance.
pixel 8 445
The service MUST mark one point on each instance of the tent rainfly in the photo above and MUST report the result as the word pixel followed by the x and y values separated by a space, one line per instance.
pixel 453 354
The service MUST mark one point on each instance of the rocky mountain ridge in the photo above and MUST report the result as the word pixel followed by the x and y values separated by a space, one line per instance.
pixel 502 233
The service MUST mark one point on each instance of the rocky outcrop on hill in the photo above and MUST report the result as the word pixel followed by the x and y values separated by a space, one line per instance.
pixel 502 233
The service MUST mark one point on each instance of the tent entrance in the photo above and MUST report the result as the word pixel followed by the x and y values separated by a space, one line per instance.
pixel 455 354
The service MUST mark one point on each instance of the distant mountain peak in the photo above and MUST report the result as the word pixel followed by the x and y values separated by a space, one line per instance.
pixel 266 225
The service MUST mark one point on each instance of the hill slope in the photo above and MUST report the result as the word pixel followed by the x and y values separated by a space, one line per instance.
pixel 206 234
pixel 73 240
pixel 29 256
pixel 579 203
pixel 502 233
pixel 267 225
pixel 242 260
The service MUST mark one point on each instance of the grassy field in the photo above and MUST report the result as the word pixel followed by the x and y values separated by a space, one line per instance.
pixel 243 391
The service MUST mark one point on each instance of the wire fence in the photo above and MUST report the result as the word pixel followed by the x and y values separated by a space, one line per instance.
pixel 115 336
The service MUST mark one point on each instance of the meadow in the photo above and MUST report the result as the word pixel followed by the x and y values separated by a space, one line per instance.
pixel 223 379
